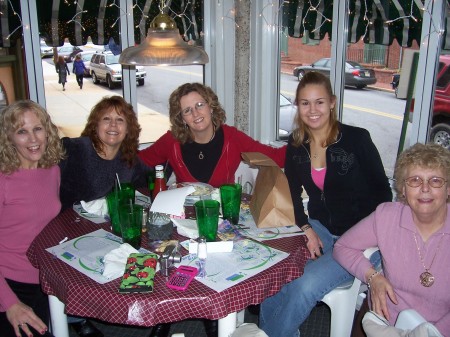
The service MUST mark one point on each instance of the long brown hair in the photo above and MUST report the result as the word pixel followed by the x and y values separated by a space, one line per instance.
pixel 129 146
pixel 61 59
pixel 178 127
pixel 302 133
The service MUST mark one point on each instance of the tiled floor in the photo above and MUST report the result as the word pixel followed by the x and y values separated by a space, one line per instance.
pixel 317 325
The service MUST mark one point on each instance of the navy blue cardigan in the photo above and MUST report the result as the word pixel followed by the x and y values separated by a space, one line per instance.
pixel 355 181
pixel 86 176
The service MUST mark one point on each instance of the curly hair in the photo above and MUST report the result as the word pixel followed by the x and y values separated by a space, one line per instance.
pixel 178 128
pixel 426 156
pixel 11 119
pixel 302 133
pixel 130 144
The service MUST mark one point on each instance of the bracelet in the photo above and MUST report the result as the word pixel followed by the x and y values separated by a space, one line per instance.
pixel 306 227
pixel 371 277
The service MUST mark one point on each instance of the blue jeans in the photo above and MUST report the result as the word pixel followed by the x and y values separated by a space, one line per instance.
pixel 282 314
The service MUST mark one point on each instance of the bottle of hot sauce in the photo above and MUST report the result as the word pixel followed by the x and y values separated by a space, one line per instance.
pixel 160 181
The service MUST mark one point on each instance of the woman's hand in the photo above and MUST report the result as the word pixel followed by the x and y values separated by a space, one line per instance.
pixel 314 243
pixel 379 288
pixel 21 316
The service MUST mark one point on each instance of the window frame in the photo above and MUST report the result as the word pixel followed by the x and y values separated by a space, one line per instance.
pixel 264 64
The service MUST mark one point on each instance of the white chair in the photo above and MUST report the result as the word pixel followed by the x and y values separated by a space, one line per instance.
pixel 342 303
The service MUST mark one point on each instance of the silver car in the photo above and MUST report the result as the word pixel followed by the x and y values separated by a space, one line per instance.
pixel 355 74
pixel 287 114
pixel 46 51
pixel 105 67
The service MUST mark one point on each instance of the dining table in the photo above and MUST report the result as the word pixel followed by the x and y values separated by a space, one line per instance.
pixel 73 293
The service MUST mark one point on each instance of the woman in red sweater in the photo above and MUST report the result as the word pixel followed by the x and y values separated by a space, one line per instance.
pixel 199 146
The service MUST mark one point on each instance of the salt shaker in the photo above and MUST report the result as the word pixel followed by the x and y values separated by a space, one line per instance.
pixel 201 254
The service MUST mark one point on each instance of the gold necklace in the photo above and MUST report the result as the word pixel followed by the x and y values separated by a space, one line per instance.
pixel 426 278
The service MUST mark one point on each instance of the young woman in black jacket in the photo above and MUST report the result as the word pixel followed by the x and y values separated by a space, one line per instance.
pixel 340 169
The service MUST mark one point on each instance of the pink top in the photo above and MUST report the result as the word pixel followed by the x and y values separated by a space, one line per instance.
pixel 29 199
pixel 392 229
pixel 318 176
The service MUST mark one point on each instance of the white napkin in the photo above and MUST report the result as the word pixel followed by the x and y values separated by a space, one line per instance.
pixel 186 227
pixel 97 207
pixel 116 260
pixel 171 201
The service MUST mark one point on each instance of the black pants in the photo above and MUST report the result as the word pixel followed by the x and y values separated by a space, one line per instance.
pixel 79 79
pixel 31 295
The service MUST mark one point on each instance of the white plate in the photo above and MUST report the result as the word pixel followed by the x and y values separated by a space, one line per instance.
pixel 202 191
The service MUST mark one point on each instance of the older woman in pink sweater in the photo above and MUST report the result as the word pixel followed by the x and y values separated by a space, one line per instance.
pixel 413 236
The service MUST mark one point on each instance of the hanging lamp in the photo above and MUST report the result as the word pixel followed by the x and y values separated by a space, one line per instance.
pixel 163 46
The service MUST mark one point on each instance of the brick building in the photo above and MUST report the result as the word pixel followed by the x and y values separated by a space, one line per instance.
pixel 385 60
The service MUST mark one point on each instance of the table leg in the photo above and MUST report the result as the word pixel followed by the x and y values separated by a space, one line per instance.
pixel 58 318
pixel 227 325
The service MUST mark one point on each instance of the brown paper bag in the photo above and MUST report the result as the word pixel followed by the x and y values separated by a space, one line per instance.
pixel 271 203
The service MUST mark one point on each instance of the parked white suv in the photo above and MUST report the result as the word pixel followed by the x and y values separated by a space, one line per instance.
pixel 105 67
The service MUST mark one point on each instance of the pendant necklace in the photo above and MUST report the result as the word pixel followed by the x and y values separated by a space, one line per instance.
pixel 315 155
pixel 201 155
pixel 426 278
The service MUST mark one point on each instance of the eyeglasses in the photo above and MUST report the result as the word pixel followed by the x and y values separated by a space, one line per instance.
pixel 435 182
pixel 199 106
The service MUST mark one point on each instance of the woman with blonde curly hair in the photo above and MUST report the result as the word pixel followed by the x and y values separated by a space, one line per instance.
pixel 413 235
pixel 108 146
pixel 199 145
pixel 30 150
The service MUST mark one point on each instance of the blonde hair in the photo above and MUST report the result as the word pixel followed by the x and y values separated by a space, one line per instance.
pixel 426 156
pixel 11 119
pixel 302 133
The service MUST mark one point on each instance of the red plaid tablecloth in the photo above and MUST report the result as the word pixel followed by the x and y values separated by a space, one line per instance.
pixel 85 297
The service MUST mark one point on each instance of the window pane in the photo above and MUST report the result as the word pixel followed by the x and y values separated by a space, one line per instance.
pixel 369 99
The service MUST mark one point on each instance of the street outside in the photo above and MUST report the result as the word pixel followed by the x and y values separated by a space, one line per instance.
pixel 69 109
pixel 375 109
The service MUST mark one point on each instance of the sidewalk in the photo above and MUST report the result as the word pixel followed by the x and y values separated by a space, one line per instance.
pixel 70 109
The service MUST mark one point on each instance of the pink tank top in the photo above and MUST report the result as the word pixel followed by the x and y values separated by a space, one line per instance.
pixel 318 176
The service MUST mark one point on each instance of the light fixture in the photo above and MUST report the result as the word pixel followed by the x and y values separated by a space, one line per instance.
pixel 163 46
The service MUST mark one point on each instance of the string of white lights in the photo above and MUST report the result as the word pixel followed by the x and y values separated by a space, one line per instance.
pixel 20 19
pixel 367 19
pixel 75 18
pixel 274 23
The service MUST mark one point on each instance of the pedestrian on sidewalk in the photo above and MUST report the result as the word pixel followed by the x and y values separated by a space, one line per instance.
pixel 78 70
pixel 63 70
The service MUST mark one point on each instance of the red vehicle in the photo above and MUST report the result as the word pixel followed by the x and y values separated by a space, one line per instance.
pixel 440 124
